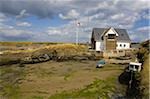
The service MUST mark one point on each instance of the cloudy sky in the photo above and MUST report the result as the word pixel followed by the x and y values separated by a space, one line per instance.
pixel 56 20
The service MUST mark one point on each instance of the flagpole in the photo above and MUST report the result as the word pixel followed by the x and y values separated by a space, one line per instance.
pixel 77 33
pixel 77 36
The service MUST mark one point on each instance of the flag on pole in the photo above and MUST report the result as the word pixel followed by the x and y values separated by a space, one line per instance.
pixel 78 24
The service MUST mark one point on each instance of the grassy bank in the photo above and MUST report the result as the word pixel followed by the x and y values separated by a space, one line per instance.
pixel 145 78
pixel 60 50
pixel 144 56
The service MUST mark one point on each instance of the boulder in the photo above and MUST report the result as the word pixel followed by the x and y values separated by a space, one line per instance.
pixel 26 60
pixel 43 57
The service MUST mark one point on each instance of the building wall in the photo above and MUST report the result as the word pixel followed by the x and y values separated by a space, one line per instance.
pixel 113 53
pixel 98 44
pixel 110 39
pixel 123 45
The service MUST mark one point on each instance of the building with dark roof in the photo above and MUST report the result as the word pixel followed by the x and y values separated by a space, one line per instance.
pixel 109 39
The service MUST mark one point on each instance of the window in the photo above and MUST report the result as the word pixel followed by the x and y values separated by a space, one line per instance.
pixel 136 66
pixel 131 66
pixel 124 45
pixel 111 36
pixel 120 45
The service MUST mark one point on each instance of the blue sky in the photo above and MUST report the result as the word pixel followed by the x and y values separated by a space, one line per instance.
pixel 56 20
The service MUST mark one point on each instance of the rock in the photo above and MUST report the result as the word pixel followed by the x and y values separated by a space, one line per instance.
pixel 35 60
pixel 43 57
pixel 50 56
pixel 26 60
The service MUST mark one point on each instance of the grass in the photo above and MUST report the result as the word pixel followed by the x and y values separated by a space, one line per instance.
pixel 145 78
pixel 9 79
pixel 97 89
pixel 7 60
pixel 144 56
pixel 10 56
pixel 59 47
pixel 65 49
pixel 41 72
pixel 59 80
pixel 68 78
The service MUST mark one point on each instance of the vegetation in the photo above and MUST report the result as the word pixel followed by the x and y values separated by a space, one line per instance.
pixel 98 89
pixel 63 49
pixel 55 80
pixel 143 51
pixel 60 50
pixel 145 78
pixel 25 43
pixel 40 81
pixel 143 56
pixel 9 81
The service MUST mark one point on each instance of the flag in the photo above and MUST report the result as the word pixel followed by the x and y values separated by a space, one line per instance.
pixel 78 24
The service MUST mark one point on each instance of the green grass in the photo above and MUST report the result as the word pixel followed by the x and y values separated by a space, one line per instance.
pixel 7 60
pixel 41 72
pixel 37 97
pixel 99 88
pixel 57 77
pixel 143 57
pixel 9 77
pixel 145 78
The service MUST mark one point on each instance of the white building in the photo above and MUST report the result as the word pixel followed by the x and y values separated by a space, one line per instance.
pixel 109 39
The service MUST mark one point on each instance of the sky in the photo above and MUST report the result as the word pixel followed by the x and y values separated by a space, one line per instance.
pixel 57 20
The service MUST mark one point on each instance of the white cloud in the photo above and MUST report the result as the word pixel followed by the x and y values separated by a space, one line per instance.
pixel 145 29
pixel 53 31
pixel 117 16
pixel 92 13
pixel 13 34
pixel 140 34
pixel 117 13
pixel 22 14
pixel 23 24
pixel 2 17
pixel 72 14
